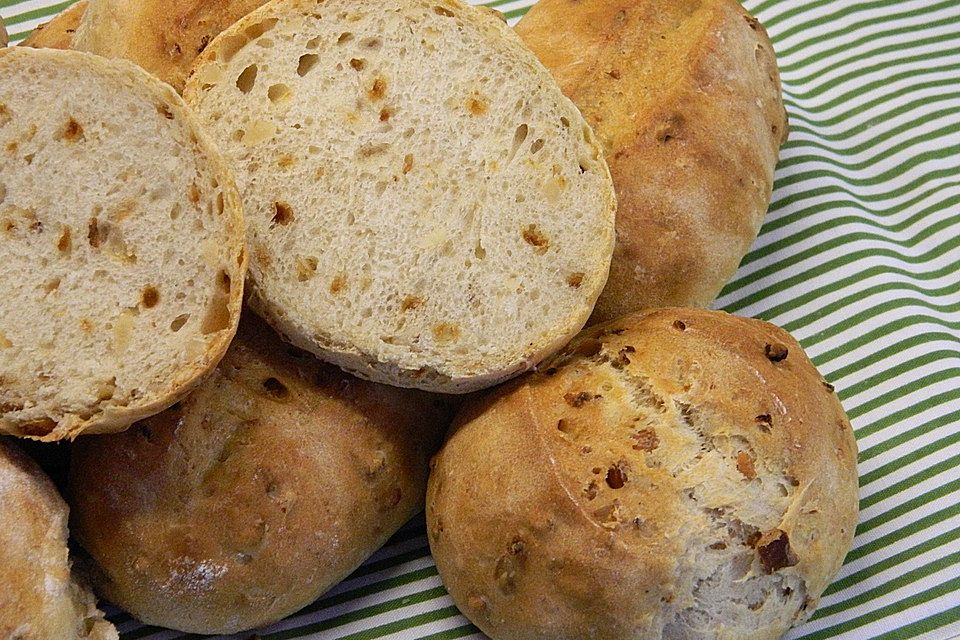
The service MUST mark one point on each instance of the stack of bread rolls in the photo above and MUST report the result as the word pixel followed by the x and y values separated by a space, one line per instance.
pixel 218 202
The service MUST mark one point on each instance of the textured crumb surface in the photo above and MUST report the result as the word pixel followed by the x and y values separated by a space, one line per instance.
pixel 684 96
pixel 425 208
pixel 121 245
pixel 262 489
pixel 39 600
pixel 678 474
pixel 58 33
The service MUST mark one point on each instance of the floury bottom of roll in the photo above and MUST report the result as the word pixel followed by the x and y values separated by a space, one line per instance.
pixel 675 474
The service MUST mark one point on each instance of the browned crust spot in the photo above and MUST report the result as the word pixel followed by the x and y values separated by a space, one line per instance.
pixel 745 465
pixel 775 352
pixel 646 440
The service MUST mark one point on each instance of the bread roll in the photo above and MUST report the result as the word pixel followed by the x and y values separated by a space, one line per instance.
pixel 4 38
pixel 265 487
pixel 675 474
pixel 426 208
pixel 162 36
pixel 39 600
pixel 122 257
pixel 685 98
pixel 58 33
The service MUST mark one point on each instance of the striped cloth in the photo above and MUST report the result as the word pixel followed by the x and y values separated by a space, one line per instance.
pixel 860 259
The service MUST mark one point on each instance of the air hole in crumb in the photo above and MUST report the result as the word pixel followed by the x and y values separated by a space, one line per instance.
pixel 443 11
pixel 343 39
pixel 407 163
pixel 410 302
pixel 445 331
pixel 275 388
pixel 223 281
pixel 616 477
pixel 217 317
pixel 358 64
pixel 575 279
pixel 385 114
pixel 279 92
pixel 282 214
pixel 518 137
pixel 679 325
pixel 164 110
pixel 307 62
pixel 306 268
pixel 247 78
pixel 256 30
pixel 179 321
pixel 149 297
pixel 373 42
pixel 537 145
pixel 476 106
pixel 565 121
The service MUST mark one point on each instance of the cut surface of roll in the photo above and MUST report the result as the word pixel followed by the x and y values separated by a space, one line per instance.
pixel 262 489
pixel 425 207
pixel 675 474
pixel 121 245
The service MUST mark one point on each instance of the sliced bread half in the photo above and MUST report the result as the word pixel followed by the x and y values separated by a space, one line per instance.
pixel 425 207
pixel 121 245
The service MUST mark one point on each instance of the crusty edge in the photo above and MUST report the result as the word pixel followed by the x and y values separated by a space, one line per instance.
pixel 113 419
pixel 38 37
pixel 368 366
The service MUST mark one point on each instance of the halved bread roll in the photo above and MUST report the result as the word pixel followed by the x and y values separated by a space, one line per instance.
pixel 679 474
pixel 685 99
pixel 39 598
pixel 260 491
pixel 122 257
pixel 58 33
pixel 425 208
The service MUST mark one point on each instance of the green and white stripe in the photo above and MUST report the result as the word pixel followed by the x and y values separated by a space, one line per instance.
pixel 860 259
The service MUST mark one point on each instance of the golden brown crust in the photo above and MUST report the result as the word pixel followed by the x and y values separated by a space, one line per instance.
pixel 685 97
pixel 38 599
pixel 673 466
pixel 162 37
pixel 257 493
pixel 58 33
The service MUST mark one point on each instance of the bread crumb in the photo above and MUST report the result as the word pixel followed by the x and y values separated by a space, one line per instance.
pixel 533 236
pixel 378 89
pixel 476 106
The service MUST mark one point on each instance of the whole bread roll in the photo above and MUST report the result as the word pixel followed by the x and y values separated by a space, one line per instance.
pixel 675 474
pixel 39 599
pixel 265 487
pixel 58 32
pixel 684 96
pixel 162 36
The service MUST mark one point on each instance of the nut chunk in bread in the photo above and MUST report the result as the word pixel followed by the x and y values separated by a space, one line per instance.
pixel 685 99
pixel 425 207
pixel 39 600
pixel 121 245
pixel 678 474
pixel 260 491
